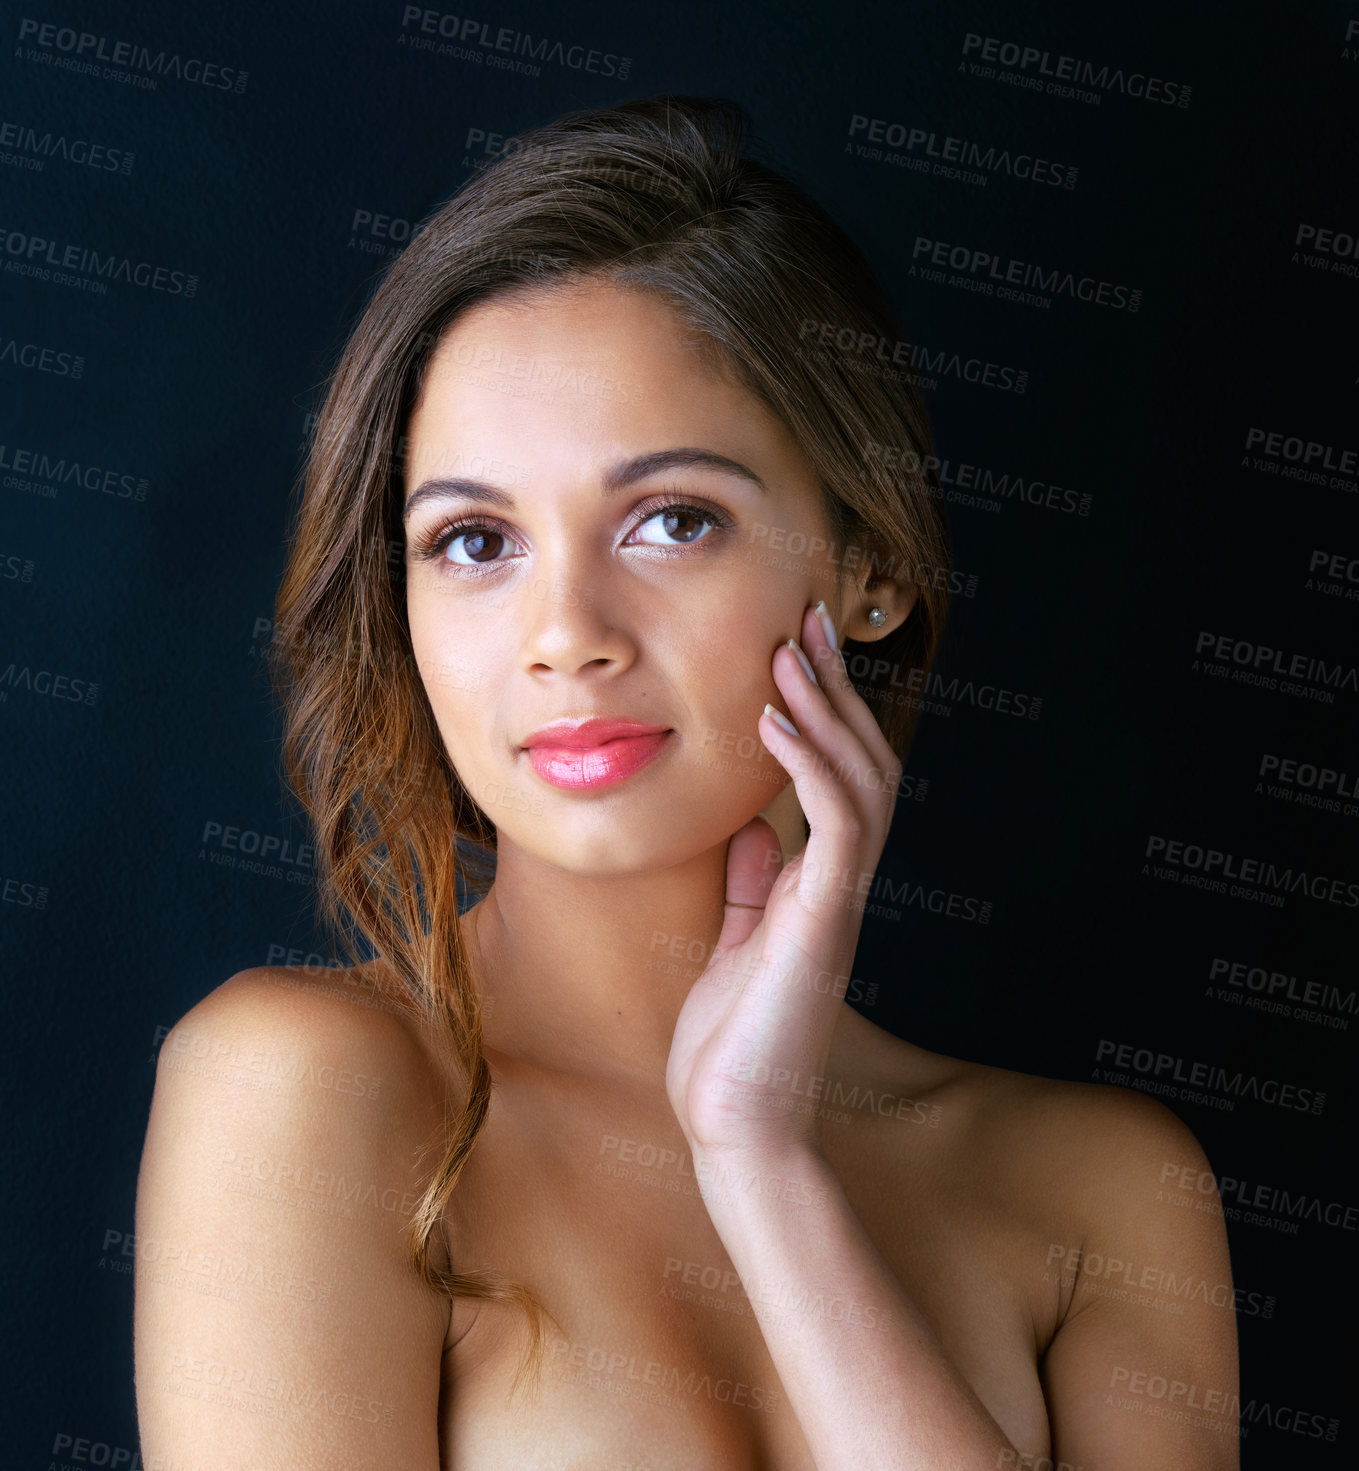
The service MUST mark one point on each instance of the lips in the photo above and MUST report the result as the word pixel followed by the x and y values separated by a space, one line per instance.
pixel 594 753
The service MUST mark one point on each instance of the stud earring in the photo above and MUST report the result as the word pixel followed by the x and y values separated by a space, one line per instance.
pixel 877 617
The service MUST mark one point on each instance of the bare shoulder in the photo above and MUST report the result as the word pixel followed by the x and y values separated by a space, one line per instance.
pixel 1057 1141
pixel 1073 1194
pixel 291 1135
pixel 279 1068
pixel 1043 1170
pixel 350 1033
pixel 1076 1189
pixel 1066 1136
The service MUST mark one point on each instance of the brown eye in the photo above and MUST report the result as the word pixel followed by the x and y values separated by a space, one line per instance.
pixel 682 525
pixel 676 525
pixel 470 545
pixel 482 546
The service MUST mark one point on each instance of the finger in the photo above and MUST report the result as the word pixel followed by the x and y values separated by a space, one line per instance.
pixel 843 845
pixel 754 860
pixel 847 758
pixel 838 688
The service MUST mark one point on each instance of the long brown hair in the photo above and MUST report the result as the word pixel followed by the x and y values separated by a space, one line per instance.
pixel 656 194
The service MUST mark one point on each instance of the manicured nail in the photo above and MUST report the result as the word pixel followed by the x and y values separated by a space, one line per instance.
pixel 802 659
pixel 783 720
pixel 827 626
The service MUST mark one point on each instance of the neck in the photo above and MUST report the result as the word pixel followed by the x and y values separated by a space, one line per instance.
pixel 585 975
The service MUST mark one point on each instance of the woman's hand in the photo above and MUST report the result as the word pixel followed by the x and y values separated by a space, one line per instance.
pixel 761 1014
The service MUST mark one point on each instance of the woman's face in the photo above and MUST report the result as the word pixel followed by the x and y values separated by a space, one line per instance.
pixel 550 431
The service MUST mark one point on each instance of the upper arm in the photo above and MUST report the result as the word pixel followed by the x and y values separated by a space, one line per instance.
pixel 278 1322
pixel 1143 1369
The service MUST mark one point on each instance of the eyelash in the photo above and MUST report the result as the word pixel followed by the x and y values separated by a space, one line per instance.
pixel 434 543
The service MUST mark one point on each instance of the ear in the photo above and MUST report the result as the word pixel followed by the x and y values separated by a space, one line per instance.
pixel 882 580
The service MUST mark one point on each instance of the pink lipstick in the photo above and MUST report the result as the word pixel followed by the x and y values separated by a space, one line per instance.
pixel 593 753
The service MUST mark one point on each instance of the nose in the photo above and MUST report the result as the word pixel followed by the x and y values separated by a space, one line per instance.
pixel 567 630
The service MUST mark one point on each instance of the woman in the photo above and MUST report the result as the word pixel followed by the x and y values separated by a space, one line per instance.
pixel 602 1171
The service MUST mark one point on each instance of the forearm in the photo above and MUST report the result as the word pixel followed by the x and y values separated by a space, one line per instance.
pixel 868 1380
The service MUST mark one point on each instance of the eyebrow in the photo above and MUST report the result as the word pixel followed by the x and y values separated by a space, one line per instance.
pixel 616 477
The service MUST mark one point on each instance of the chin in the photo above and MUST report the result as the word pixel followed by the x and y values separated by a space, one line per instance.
pixel 610 841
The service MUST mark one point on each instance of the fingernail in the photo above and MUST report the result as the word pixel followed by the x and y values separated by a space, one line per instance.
pixel 783 720
pixel 828 628
pixel 802 659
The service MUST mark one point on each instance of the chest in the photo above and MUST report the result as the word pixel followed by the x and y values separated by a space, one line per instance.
pixel 656 1358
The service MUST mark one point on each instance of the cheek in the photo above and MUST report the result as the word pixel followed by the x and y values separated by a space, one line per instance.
pixel 762 609
pixel 441 629
pixel 725 646
pixel 728 680
pixel 452 663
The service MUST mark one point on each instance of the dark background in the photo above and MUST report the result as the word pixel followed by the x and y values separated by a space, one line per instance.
pixel 154 578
